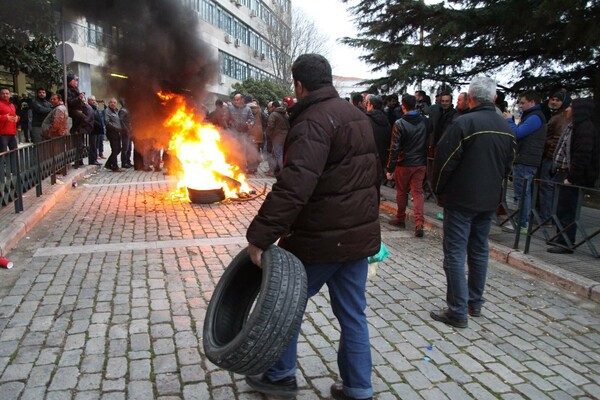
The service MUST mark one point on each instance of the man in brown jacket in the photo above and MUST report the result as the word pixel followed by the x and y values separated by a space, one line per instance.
pixel 324 208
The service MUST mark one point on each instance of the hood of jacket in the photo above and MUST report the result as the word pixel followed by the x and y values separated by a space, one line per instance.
pixel 378 117
pixel 582 110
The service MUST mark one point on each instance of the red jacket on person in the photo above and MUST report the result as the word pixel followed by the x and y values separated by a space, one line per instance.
pixel 7 127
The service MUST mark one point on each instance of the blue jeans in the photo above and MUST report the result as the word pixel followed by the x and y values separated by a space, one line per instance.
pixel 346 283
pixel 523 176
pixel 465 237
pixel 546 195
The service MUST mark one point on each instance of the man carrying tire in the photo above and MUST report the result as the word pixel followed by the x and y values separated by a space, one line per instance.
pixel 324 208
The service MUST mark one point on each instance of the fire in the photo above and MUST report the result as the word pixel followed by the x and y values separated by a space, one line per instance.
pixel 200 152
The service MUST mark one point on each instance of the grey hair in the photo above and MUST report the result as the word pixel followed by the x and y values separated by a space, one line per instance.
pixel 375 101
pixel 482 89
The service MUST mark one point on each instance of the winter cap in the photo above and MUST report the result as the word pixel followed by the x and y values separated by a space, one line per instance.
pixel 565 97
pixel 70 77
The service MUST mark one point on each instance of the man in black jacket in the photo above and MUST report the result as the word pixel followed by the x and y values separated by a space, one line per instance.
pixel 407 162
pixel 471 160
pixel 576 162
pixel 40 108
pixel 325 208
pixel 382 130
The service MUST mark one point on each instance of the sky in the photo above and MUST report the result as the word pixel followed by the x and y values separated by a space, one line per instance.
pixel 335 22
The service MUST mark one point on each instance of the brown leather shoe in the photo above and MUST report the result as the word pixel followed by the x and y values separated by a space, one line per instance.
pixel 337 392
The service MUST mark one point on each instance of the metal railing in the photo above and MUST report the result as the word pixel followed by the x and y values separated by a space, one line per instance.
pixel 26 168
pixel 550 228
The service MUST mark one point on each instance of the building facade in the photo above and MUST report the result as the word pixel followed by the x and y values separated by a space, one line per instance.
pixel 239 33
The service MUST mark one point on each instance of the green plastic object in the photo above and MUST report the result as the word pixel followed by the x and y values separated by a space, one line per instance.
pixel 382 255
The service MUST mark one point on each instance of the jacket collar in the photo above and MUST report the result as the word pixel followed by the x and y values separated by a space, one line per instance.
pixel 316 96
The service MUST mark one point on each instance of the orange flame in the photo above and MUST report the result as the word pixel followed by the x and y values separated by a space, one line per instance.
pixel 198 147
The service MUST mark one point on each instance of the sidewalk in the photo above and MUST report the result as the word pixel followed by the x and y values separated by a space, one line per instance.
pixel 578 272
pixel 111 288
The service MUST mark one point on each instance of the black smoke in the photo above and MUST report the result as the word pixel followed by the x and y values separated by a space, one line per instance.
pixel 158 47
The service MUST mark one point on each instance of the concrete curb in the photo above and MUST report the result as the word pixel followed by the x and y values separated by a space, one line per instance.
pixel 570 281
pixel 25 221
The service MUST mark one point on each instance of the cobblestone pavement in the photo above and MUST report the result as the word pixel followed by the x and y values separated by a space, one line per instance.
pixel 114 285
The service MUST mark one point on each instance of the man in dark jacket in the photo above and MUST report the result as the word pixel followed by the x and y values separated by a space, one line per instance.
pixel 576 162
pixel 407 162
pixel 557 105
pixel 40 108
pixel 382 130
pixel 97 131
pixel 531 135
pixel 471 160
pixel 324 208
pixel 278 126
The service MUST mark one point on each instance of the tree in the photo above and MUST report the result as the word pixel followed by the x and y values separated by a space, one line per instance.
pixel 536 44
pixel 27 40
pixel 304 37
pixel 263 90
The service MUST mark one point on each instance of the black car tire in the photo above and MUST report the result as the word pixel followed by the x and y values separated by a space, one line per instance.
pixel 254 312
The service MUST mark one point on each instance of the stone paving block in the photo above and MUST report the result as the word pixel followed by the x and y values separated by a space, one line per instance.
pixel 531 392
pixel 312 366
pixel 430 370
pixel 64 379
pixel 186 339
pixel 196 391
pixel 163 346
pixel 117 347
pixel 433 394
pixel 492 382
pixel 570 375
pixel 417 380
pixel 139 370
pixel 16 372
pixel 89 382
pixel 112 385
pixel 116 367
pixel 34 393
pixel 70 358
pixel 167 384
pixel 192 373
pixel 453 390
pixel 114 396
pixel 479 392
pixel 504 373
pixel 164 364
pixel 566 385
pixel 387 373
pixel 11 390
pixel 40 375
pixel 189 356
pixel 88 395
pixel 406 392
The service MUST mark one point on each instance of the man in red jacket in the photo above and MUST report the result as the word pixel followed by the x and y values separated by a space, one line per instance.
pixel 8 122
pixel 324 208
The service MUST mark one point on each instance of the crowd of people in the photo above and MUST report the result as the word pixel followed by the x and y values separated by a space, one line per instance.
pixel 330 157
pixel 418 127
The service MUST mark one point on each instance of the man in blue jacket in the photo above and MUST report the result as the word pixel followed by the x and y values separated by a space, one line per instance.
pixel 471 160
pixel 531 136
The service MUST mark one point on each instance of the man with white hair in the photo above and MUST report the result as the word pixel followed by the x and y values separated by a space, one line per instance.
pixel 471 160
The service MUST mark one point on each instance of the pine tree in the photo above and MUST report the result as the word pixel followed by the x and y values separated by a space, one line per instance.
pixel 539 44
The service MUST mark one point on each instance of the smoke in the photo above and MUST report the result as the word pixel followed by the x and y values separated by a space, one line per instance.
pixel 157 47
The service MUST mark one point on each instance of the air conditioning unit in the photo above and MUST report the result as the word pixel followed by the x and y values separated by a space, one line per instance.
pixel 253 14
pixel 237 42
pixel 227 38
pixel 262 56
pixel 238 4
